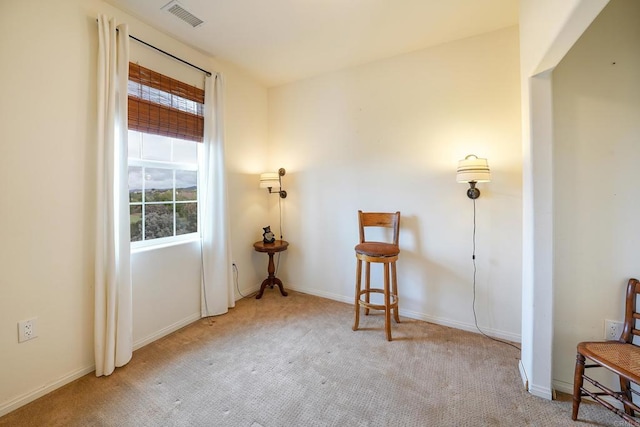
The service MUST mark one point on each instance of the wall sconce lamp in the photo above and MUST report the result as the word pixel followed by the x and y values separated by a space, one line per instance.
pixel 473 170
pixel 273 179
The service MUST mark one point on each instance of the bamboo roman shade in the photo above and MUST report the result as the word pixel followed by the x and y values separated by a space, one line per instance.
pixel 164 106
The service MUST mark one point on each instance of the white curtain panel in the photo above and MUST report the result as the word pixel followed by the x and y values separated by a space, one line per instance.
pixel 217 275
pixel 113 295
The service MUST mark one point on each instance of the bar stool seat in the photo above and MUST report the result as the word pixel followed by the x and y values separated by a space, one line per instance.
pixel 377 249
pixel 378 252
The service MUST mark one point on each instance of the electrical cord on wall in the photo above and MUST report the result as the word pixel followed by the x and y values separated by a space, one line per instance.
pixel 277 264
pixel 473 258
pixel 281 233
pixel 236 279
pixel 237 275
pixel 280 215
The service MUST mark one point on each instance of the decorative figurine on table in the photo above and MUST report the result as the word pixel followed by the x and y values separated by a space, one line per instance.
pixel 268 236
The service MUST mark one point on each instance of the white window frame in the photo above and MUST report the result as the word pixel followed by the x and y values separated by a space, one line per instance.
pixel 175 166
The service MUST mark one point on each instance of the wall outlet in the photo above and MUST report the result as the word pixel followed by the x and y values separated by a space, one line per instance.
pixel 27 329
pixel 612 330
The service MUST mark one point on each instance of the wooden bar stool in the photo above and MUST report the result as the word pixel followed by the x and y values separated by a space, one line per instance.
pixel 378 252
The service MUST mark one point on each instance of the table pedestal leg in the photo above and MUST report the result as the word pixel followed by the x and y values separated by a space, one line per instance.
pixel 271 280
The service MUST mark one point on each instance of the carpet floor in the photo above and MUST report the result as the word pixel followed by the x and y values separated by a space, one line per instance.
pixel 294 361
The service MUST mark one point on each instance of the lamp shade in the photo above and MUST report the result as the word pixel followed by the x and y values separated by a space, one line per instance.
pixel 473 169
pixel 269 179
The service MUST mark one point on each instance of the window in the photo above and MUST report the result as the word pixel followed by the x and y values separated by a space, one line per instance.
pixel 163 186
pixel 165 123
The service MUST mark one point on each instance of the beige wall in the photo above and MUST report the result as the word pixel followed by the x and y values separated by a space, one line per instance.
pixel 387 136
pixel 548 29
pixel 596 107
pixel 47 128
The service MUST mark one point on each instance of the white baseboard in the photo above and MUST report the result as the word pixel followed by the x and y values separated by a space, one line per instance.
pixel 327 295
pixel 495 333
pixel 523 375
pixel 239 294
pixel 543 392
pixel 562 386
pixel 418 316
pixel 22 400
pixel 166 331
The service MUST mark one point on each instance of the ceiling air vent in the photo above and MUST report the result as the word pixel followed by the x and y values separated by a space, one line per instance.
pixel 176 9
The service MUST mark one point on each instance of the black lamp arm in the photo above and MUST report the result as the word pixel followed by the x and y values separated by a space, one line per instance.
pixel 283 193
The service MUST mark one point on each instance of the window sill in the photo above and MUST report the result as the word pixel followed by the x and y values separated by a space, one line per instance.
pixel 137 247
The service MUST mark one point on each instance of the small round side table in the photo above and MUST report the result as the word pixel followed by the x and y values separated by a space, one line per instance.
pixel 271 280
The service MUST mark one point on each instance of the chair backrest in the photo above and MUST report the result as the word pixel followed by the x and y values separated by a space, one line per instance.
pixel 379 219
pixel 631 312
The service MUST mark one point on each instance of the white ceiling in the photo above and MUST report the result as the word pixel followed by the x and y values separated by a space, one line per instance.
pixel 279 41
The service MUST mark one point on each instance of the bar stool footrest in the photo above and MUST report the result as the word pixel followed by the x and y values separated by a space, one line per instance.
pixel 392 297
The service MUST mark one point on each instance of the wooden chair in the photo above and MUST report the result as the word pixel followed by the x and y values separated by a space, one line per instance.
pixel 378 252
pixel 621 357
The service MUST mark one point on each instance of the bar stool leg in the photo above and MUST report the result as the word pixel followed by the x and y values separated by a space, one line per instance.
pixel 394 283
pixel 387 302
pixel 357 301
pixel 367 285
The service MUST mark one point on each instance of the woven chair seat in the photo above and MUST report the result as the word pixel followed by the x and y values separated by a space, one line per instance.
pixel 620 357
